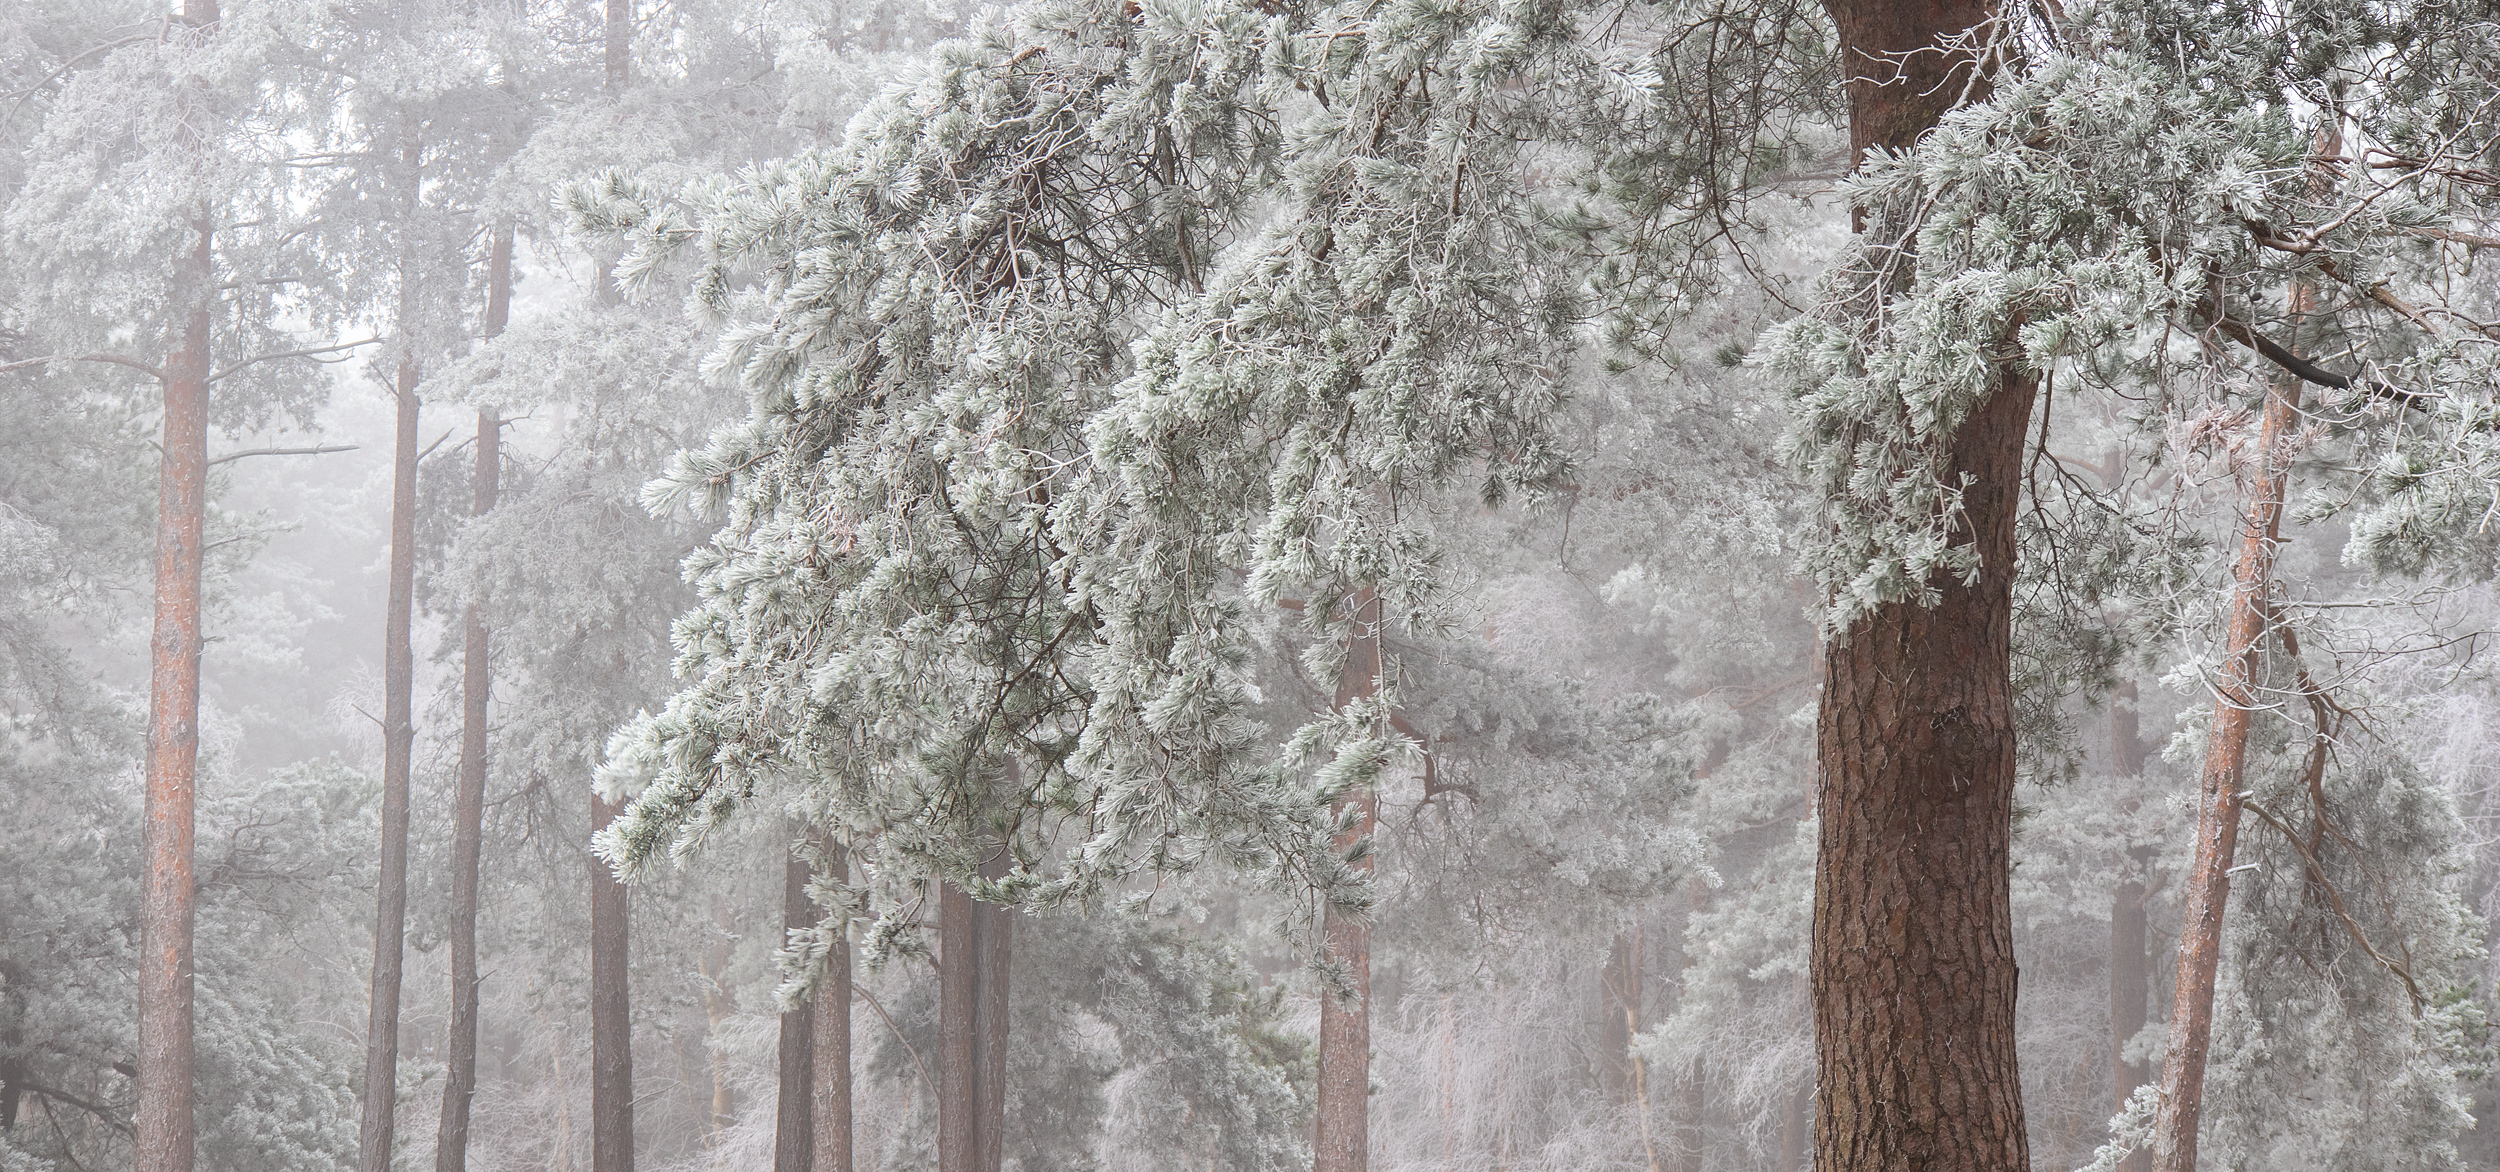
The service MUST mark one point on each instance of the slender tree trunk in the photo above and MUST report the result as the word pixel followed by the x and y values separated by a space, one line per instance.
pixel 380 1097
pixel 2218 806
pixel 831 1018
pixel 468 804
pixel 1913 976
pixel 2130 974
pixel 1343 1137
pixel 611 1016
pixel 1619 1013
pixel 794 1123
pixel 162 1123
pixel 1796 1131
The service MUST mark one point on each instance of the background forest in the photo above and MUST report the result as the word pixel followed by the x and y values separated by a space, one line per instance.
pixel 1076 556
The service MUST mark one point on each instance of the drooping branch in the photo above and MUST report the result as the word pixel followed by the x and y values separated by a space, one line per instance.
pixel 2303 369
pixel 2335 901
pixel 112 359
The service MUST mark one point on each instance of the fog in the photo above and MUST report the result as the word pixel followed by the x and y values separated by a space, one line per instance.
pixel 1203 585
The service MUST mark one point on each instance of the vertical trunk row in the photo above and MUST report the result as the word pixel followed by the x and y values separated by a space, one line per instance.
pixel 974 947
pixel 162 1124
pixel 2218 805
pixel 1913 976
pixel 468 806
pixel 831 1017
pixel 390 927
pixel 1341 1141
pixel 794 1123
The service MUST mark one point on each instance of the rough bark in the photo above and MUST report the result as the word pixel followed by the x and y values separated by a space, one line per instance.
pixel 957 1139
pixel 611 1016
pixel 2219 787
pixel 468 803
pixel 162 1124
pixel 794 1124
pixel 831 1018
pixel 973 951
pixel 1342 1137
pixel 1913 976
pixel 992 950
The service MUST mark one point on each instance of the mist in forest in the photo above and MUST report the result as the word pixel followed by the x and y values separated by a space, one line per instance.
pixel 1124 585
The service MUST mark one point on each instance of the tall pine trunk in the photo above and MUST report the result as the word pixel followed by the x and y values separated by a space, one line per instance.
pixel 1619 1014
pixel 162 1126
pixel 468 805
pixel 973 953
pixel 794 1108
pixel 380 1090
pixel 1341 1141
pixel 1913 954
pixel 831 1017
pixel 2218 803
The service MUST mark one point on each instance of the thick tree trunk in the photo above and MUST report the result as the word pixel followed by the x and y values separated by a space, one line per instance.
pixel 973 951
pixel 1913 976
pixel 380 1090
pixel 2218 806
pixel 958 1134
pixel 794 1109
pixel 992 950
pixel 468 804
pixel 831 1018
pixel 162 1124
pixel 1342 1139
pixel 611 1016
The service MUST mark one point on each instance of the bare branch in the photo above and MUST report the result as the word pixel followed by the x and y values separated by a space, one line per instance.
pixel 323 449
pixel 113 359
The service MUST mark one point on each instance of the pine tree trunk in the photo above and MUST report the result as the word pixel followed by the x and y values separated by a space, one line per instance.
pixel 831 1017
pixel 2130 968
pixel 379 1096
pixel 2218 806
pixel 958 1138
pixel 468 803
pixel 992 950
pixel 1619 1013
pixel 162 1123
pixel 611 1017
pixel 794 1124
pixel 1913 976
pixel 1342 1140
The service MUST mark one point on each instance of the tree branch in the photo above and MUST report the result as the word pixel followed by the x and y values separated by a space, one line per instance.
pixel 113 359
pixel 304 353
pixel 319 450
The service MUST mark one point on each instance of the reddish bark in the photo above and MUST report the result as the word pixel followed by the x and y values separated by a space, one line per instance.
pixel 1342 1139
pixel 2218 805
pixel 794 1108
pixel 468 813
pixel 831 1018
pixel 974 947
pixel 162 1122
pixel 1913 976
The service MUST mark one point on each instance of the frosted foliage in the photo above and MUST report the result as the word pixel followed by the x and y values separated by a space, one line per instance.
pixel 2103 213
